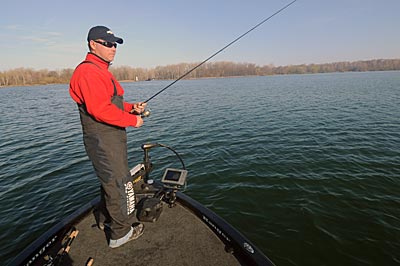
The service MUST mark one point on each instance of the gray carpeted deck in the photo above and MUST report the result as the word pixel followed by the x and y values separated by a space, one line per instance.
pixel 177 238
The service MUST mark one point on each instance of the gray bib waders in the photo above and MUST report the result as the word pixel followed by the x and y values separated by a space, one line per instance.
pixel 106 147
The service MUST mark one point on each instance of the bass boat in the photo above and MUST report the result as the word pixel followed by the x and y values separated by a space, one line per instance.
pixel 179 230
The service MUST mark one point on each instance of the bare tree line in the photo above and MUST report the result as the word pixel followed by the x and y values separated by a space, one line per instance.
pixel 28 76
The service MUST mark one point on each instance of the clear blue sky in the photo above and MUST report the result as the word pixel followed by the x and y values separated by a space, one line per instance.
pixel 52 34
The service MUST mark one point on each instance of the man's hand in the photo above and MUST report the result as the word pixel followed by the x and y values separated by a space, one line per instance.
pixel 139 121
pixel 138 108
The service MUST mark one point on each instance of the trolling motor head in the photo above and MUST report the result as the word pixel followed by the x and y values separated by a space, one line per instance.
pixel 147 146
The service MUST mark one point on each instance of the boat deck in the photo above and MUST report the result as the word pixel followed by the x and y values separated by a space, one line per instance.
pixel 178 237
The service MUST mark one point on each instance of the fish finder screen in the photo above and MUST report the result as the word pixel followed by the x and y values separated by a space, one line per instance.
pixel 174 176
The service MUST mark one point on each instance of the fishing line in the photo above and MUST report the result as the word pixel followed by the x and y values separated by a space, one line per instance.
pixel 219 51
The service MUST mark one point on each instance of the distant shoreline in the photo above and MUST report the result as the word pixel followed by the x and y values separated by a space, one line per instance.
pixel 130 81
pixel 29 77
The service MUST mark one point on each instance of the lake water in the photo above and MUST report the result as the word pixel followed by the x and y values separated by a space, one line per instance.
pixel 306 166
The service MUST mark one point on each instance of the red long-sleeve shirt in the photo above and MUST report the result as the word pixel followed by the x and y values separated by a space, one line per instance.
pixel 91 85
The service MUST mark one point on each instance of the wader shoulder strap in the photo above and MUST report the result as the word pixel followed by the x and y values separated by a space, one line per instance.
pixel 115 87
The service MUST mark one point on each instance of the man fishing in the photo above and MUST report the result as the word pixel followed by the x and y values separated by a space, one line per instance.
pixel 104 116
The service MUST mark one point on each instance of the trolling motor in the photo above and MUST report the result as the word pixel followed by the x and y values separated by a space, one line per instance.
pixel 150 208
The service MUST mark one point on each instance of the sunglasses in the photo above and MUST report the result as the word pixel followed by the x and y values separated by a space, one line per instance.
pixel 107 44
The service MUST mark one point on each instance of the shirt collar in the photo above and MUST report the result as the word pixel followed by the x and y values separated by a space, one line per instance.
pixel 97 60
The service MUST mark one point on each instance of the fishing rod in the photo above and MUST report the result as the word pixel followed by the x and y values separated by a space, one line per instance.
pixel 146 113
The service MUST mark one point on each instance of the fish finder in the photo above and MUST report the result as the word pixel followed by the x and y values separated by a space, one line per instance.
pixel 175 177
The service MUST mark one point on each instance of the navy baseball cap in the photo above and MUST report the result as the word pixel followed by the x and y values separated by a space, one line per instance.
pixel 104 33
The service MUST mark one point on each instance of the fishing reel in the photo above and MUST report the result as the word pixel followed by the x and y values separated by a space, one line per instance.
pixel 145 113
